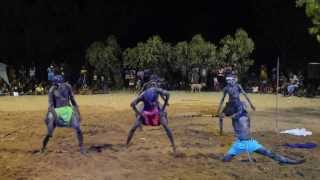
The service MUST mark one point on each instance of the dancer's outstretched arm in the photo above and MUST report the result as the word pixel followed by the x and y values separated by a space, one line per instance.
pixel 247 98
pixel 221 102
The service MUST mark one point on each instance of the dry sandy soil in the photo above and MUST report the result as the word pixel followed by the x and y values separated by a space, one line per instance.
pixel 107 119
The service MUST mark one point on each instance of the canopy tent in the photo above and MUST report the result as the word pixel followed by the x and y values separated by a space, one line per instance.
pixel 3 73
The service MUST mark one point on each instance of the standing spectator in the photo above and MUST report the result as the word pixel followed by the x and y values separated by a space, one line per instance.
pixel 300 78
pixel 95 80
pixel 23 72
pixel 32 72
pixel 83 77
pixel 195 76
pixel 12 73
pixel 51 73
pixel 220 76
pixel 263 79
pixel 216 86
pixel 283 81
pixel 103 84
pixel 62 70
pixel 204 75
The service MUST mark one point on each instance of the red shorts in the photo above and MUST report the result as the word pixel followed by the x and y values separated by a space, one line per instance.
pixel 151 117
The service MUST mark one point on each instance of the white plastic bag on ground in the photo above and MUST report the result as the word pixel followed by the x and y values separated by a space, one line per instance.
pixel 297 132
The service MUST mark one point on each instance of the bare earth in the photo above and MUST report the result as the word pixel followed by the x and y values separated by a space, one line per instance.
pixel 107 119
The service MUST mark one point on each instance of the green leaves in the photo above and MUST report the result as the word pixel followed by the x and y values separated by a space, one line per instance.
pixel 203 53
pixel 167 60
pixel 236 51
pixel 161 56
pixel 152 54
pixel 104 56
pixel 312 10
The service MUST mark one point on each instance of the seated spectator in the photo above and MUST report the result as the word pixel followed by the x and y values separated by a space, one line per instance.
pixel 39 89
pixel 292 87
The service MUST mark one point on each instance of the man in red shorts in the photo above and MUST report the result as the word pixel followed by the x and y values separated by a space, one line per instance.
pixel 152 114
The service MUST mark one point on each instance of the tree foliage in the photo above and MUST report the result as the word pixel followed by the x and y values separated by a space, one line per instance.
pixel 197 53
pixel 236 50
pixel 153 54
pixel 203 53
pixel 312 9
pixel 169 61
pixel 104 57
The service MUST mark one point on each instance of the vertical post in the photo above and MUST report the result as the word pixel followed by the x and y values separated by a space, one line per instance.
pixel 277 93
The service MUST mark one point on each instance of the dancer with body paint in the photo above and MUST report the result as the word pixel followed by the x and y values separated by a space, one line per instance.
pixel 244 143
pixel 152 114
pixel 233 90
pixel 63 111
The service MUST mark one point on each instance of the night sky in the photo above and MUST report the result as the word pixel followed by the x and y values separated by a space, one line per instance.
pixel 46 30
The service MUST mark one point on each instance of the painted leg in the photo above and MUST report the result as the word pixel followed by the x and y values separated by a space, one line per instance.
pixel 76 127
pixel 50 128
pixel 277 157
pixel 136 124
pixel 164 123
pixel 228 158
pixel 221 124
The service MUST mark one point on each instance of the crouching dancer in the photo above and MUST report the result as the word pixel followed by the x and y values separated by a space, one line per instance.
pixel 63 111
pixel 151 114
pixel 244 143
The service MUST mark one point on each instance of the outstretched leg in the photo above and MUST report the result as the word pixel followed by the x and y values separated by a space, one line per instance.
pixel 228 158
pixel 137 123
pixel 164 123
pixel 76 127
pixel 221 124
pixel 277 157
pixel 50 123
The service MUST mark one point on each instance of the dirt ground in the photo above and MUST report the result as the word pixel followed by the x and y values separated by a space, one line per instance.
pixel 107 119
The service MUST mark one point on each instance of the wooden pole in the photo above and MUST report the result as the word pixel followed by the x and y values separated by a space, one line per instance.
pixel 277 93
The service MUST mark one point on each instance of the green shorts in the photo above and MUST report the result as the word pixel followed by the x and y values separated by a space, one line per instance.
pixel 64 115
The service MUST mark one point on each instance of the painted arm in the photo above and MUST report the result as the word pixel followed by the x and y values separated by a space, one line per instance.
pixel 221 102
pixel 51 99
pixel 134 104
pixel 165 96
pixel 247 98
pixel 71 95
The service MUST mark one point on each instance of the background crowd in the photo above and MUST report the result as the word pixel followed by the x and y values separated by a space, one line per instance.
pixel 26 80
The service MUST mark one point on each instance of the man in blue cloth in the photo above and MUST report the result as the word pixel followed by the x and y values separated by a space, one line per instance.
pixel 63 111
pixel 244 143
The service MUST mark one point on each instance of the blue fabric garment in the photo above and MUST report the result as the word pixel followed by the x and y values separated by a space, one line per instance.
pixel 50 76
pixel 291 88
pixel 301 145
pixel 242 146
